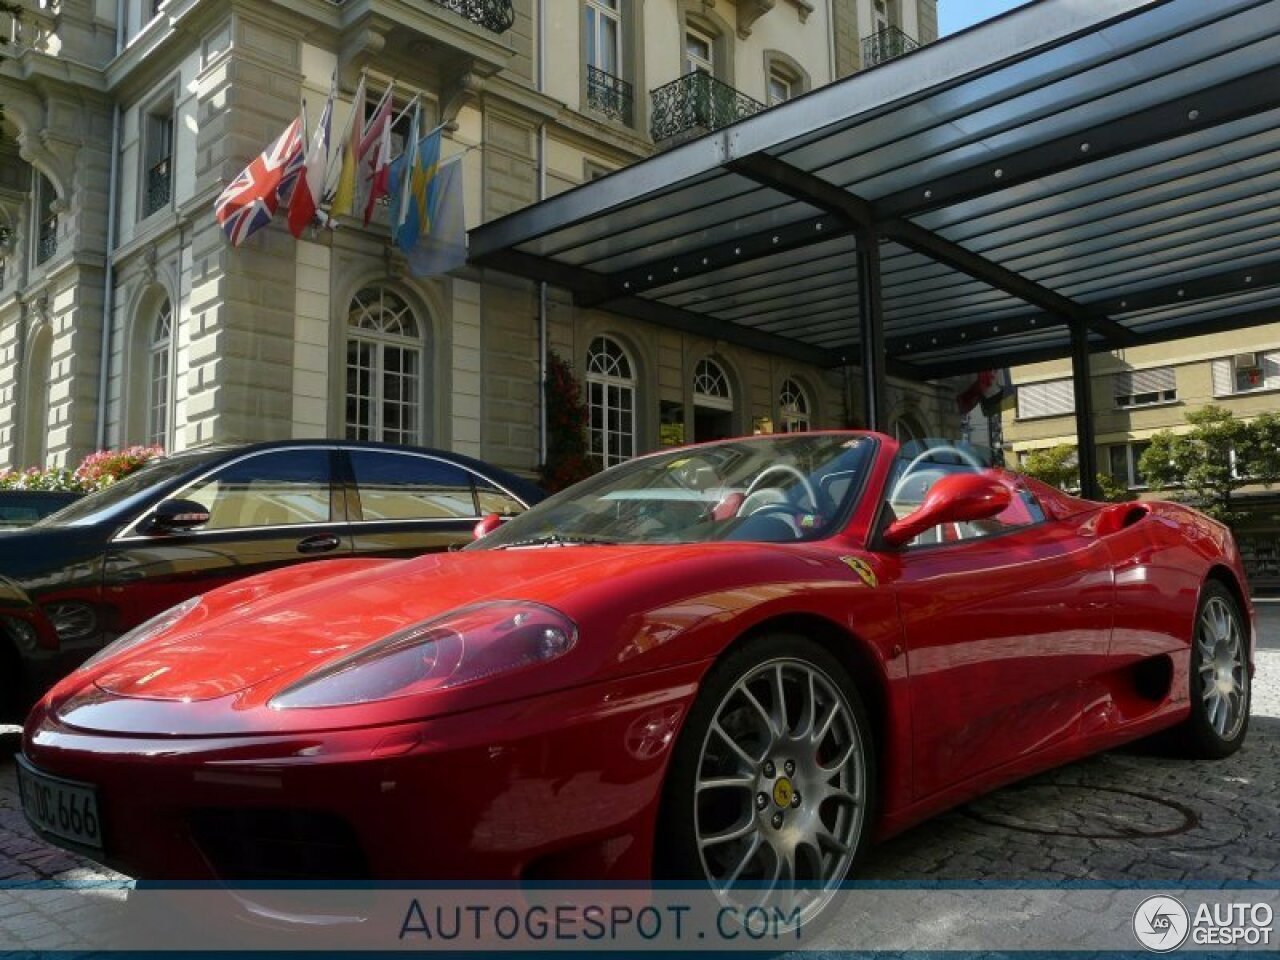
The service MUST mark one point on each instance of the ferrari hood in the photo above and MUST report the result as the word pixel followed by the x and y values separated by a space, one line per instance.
pixel 247 634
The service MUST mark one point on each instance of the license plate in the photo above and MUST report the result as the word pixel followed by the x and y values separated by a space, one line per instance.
pixel 63 808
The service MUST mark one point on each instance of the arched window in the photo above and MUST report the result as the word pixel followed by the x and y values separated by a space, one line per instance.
pixel 611 400
pixel 39 378
pixel 711 386
pixel 793 407
pixel 158 384
pixel 384 369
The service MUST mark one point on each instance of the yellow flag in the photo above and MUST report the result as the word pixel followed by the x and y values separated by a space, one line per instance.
pixel 344 193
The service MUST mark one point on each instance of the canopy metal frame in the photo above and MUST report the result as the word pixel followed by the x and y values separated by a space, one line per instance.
pixel 1064 179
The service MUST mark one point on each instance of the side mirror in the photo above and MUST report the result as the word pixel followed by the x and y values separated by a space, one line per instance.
pixel 956 498
pixel 486 526
pixel 176 516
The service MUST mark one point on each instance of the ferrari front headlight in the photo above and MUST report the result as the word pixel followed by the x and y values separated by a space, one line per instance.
pixel 464 646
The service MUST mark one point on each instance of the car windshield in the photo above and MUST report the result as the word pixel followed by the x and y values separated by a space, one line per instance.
pixel 777 488
pixel 121 497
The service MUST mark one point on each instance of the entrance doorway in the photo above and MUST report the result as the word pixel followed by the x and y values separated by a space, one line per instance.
pixel 712 403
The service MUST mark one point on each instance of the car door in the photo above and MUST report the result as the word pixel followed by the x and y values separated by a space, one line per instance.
pixel 406 503
pixel 1002 622
pixel 267 509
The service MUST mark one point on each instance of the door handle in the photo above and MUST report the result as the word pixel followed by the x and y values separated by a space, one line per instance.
pixel 321 543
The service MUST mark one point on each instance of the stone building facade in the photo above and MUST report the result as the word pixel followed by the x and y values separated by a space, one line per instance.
pixel 126 317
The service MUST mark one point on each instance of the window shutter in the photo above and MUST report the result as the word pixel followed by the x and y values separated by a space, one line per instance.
pixel 1048 399
pixel 1133 382
pixel 1271 370
pixel 1222 378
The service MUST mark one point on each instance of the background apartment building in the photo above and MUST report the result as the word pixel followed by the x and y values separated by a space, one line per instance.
pixel 126 317
pixel 1141 391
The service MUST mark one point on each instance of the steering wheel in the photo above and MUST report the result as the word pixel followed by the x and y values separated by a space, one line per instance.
pixel 757 482
pixel 964 455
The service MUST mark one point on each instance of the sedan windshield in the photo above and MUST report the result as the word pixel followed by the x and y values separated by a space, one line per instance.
pixel 123 495
pixel 770 489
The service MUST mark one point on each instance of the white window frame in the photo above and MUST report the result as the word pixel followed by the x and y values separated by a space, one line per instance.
pixel 610 377
pixel 596 12
pixel 711 387
pixel 382 340
pixel 1132 455
pixel 1145 388
pixel 693 63
pixel 785 81
pixel 793 407
pixel 160 377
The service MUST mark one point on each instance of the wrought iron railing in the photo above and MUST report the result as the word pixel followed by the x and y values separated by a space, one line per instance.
pixel 47 241
pixel 609 95
pixel 495 15
pixel 885 45
pixel 159 187
pixel 697 103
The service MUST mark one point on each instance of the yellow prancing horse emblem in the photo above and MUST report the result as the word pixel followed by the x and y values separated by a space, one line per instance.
pixel 859 566
pixel 783 791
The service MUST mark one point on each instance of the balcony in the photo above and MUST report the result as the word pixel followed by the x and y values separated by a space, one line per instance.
pixel 47 241
pixel 159 187
pixel 494 15
pixel 885 45
pixel 497 16
pixel 695 104
pixel 609 95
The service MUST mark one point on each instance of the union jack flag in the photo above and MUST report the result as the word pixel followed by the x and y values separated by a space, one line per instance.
pixel 251 199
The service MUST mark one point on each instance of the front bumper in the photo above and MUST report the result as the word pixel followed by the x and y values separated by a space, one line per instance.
pixel 563 786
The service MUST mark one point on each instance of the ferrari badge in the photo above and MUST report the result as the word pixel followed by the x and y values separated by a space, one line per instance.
pixel 860 567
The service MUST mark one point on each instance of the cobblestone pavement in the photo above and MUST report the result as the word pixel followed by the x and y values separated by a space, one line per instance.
pixel 1130 815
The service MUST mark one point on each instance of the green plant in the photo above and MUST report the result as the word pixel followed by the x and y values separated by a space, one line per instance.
pixel 96 471
pixel 569 456
pixel 1055 466
pixel 1212 460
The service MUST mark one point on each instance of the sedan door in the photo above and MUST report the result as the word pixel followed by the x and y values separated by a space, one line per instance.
pixel 405 503
pixel 1003 620
pixel 266 509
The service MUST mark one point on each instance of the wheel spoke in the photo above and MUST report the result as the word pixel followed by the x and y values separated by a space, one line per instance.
pixel 843 795
pixel 752 850
pixel 830 840
pixel 825 727
pixel 743 782
pixel 845 757
pixel 733 833
pixel 774 732
pixel 735 746
pixel 780 700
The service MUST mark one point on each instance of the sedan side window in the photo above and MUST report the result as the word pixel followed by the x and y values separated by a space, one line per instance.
pixel 494 499
pixel 396 486
pixel 279 488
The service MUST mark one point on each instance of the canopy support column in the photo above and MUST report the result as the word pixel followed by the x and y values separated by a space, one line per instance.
pixel 871 327
pixel 1081 382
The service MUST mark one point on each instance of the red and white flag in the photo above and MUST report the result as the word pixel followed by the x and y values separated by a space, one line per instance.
pixel 305 202
pixel 250 201
pixel 375 156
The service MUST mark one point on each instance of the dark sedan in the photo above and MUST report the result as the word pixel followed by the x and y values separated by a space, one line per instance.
pixel 22 508
pixel 195 520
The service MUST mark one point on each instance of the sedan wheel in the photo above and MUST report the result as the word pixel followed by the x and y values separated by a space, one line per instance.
pixel 1219 677
pixel 769 794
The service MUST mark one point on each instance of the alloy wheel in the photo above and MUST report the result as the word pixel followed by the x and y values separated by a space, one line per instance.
pixel 780 792
pixel 1224 679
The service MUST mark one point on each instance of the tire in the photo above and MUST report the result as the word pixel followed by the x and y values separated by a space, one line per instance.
pixel 799 802
pixel 11 699
pixel 1220 683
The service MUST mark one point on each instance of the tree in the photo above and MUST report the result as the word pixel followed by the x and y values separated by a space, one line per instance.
pixel 568 453
pixel 1214 459
pixel 1059 467
pixel 1055 466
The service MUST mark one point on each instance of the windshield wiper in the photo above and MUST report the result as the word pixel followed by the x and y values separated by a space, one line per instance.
pixel 556 540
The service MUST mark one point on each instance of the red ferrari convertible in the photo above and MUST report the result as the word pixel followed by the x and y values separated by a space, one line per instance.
pixel 733 663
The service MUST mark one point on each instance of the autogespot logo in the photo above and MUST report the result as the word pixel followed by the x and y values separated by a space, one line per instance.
pixel 1161 923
